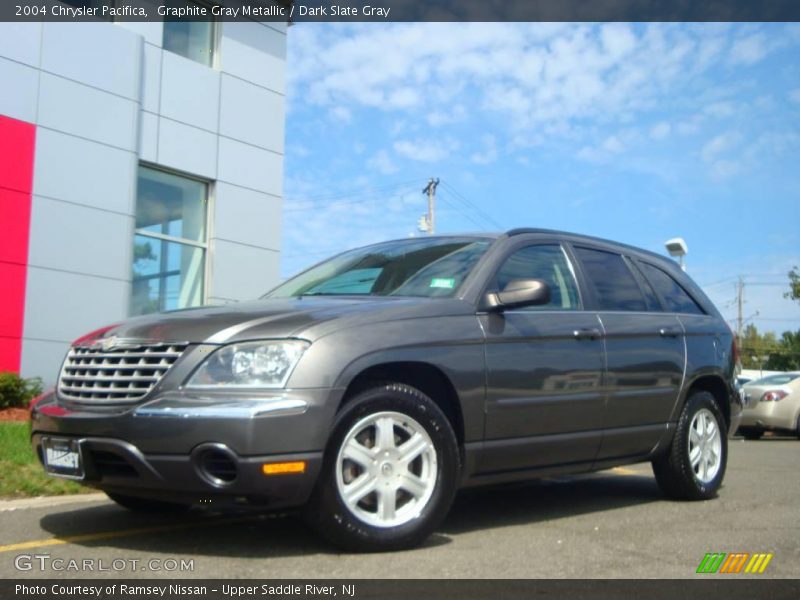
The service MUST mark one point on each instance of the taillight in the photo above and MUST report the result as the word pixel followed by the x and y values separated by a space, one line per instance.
pixel 737 363
pixel 773 396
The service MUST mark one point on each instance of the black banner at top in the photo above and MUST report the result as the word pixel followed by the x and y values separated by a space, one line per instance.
pixel 403 10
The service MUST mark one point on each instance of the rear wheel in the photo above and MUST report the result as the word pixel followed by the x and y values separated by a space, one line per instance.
pixel 694 466
pixel 390 471
pixel 797 427
pixel 146 505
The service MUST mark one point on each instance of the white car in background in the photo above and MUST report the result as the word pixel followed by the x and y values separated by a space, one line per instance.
pixel 772 404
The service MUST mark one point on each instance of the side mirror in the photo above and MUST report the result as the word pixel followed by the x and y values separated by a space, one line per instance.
pixel 518 293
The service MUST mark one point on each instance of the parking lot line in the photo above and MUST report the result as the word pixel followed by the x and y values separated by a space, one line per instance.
pixel 105 535
pixel 624 471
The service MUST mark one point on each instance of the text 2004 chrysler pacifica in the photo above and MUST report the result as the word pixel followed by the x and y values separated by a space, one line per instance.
pixel 369 388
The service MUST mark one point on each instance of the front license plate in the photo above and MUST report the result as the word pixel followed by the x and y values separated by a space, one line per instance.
pixel 62 457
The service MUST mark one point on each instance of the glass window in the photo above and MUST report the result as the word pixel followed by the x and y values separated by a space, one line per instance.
pixel 421 267
pixel 780 379
pixel 612 281
pixel 170 242
pixel 545 262
pixel 191 39
pixel 675 297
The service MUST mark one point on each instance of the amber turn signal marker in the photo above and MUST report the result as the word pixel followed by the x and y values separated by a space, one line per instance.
pixel 283 468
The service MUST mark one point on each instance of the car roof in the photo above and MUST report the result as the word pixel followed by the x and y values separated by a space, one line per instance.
pixel 571 236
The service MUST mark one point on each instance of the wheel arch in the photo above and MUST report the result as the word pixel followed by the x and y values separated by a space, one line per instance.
pixel 716 386
pixel 427 378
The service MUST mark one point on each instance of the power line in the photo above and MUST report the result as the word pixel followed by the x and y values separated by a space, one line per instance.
pixel 351 197
pixel 472 205
pixel 466 215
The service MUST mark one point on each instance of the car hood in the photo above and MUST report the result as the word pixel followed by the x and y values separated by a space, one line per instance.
pixel 306 317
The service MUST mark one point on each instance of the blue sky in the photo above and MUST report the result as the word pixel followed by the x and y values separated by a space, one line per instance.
pixel 637 133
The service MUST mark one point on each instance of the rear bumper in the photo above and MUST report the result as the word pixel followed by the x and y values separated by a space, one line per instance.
pixel 770 415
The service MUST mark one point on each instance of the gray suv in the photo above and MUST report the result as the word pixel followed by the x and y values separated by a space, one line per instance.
pixel 371 387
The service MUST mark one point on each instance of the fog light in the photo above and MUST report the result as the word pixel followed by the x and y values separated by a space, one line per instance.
pixel 283 468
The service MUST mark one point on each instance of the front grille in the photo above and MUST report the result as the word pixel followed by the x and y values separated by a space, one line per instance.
pixel 117 375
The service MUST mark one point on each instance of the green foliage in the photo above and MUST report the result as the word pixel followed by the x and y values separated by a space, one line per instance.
pixel 767 352
pixel 787 358
pixel 16 392
pixel 22 475
pixel 794 285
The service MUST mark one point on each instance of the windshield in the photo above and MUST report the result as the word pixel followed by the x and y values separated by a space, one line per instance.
pixel 420 267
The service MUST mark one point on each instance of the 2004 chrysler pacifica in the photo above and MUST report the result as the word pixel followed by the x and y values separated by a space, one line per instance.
pixel 372 386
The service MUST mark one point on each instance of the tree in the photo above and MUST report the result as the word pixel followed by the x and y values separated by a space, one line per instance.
pixel 794 285
pixel 787 356
pixel 756 348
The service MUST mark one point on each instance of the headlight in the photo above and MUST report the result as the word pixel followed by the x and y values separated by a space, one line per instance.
pixel 265 364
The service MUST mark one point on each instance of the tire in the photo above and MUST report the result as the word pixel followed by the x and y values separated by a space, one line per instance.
pixel 797 427
pixel 145 505
pixel 688 470
pixel 403 494
pixel 751 434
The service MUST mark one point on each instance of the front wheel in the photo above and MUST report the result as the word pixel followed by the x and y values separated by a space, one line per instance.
pixel 390 471
pixel 694 465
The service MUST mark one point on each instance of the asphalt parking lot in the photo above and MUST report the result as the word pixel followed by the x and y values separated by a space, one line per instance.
pixel 610 524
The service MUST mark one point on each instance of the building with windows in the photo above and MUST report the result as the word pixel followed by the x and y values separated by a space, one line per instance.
pixel 141 169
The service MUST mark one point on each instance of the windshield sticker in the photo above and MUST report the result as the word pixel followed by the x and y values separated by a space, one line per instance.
pixel 443 282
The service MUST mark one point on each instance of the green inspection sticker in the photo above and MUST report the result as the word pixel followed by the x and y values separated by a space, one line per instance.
pixel 443 282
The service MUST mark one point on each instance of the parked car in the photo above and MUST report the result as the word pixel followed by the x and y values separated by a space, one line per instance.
pixel 772 404
pixel 372 386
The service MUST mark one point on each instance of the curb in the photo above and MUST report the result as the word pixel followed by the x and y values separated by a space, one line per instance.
pixel 47 501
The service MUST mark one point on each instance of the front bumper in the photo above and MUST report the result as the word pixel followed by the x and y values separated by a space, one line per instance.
pixel 169 447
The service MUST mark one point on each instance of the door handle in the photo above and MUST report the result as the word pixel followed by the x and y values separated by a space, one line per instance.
pixel 587 334
pixel 669 332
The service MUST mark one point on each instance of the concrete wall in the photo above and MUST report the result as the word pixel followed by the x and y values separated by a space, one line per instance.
pixel 104 97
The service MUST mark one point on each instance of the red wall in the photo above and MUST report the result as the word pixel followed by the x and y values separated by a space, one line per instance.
pixel 17 140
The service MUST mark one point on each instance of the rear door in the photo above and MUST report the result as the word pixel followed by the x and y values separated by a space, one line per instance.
pixel 645 353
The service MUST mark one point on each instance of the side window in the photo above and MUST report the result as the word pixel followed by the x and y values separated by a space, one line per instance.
pixel 614 285
pixel 191 39
pixel 653 304
pixel 545 262
pixel 675 297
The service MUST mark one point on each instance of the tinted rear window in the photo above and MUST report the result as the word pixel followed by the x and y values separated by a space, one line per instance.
pixel 675 297
pixel 614 285
pixel 781 379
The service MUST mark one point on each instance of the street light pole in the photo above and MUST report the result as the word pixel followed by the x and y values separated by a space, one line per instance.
pixel 677 247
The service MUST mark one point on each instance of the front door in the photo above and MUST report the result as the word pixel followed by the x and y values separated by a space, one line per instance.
pixel 544 370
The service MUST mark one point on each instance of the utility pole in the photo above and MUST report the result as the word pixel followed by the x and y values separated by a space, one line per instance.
pixel 430 189
pixel 740 303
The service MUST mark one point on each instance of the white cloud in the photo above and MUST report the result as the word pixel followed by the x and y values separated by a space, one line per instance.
pixel 341 114
pixel 749 50
pixel 382 163
pixel 488 154
pixel 660 130
pixel 720 144
pixel 425 150
pixel 716 154
pixel 542 78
